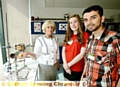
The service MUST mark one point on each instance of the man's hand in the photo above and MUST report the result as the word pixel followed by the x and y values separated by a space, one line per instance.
pixel 83 82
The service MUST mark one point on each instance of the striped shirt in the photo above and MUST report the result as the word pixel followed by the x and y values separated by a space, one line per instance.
pixel 103 60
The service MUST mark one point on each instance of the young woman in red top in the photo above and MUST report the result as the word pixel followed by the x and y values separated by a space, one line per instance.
pixel 73 50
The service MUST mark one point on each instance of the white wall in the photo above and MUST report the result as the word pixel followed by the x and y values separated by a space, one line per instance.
pixel 59 12
pixel 18 17
pixel 18 21
pixel 16 14
pixel 38 9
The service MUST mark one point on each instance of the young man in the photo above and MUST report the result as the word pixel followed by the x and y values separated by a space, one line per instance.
pixel 102 59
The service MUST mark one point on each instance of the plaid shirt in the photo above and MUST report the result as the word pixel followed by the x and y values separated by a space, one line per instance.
pixel 103 60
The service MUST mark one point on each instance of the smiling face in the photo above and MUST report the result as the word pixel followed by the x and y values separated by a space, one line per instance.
pixel 49 30
pixel 92 20
pixel 74 24
pixel 48 27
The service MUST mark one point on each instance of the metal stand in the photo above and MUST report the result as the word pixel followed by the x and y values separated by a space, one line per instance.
pixel 18 74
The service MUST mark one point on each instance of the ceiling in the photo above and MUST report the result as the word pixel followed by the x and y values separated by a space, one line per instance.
pixel 106 4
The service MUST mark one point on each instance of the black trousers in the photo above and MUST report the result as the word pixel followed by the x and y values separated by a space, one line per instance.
pixel 75 76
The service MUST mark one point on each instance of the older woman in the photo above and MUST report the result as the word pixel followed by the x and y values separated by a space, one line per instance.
pixel 46 52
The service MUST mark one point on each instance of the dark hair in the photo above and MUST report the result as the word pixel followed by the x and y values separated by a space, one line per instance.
pixel 94 8
pixel 69 32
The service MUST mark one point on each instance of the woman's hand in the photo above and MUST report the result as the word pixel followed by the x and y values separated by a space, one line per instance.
pixel 58 65
pixel 68 71
pixel 22 55
pixel 66 68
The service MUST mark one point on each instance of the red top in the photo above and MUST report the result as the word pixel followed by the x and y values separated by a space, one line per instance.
pixel 73 50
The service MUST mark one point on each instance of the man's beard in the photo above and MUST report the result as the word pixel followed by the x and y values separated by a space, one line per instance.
pixel 97 27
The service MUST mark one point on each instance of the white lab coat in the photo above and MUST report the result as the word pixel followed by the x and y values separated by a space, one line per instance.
pixel 47 50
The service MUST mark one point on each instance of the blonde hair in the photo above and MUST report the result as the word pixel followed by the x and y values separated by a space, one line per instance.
pixel 48 23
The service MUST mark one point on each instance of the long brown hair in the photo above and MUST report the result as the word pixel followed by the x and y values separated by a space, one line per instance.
pixel 69 32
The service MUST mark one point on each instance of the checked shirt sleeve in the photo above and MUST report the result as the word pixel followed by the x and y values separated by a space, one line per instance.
pixel 118 49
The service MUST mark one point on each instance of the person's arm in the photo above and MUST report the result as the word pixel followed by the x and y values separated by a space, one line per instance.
pixel 37 51
pixel 65 65
pixel 83 77
pixel 84 72
pixel 118 53
pixel 64 55
pixel 25 54
pixel 82 51
pixel 78 57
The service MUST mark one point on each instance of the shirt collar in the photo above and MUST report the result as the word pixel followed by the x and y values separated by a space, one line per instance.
pixel 100 36
pixel 48 38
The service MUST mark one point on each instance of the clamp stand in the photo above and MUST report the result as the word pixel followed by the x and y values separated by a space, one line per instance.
pixel 22 73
